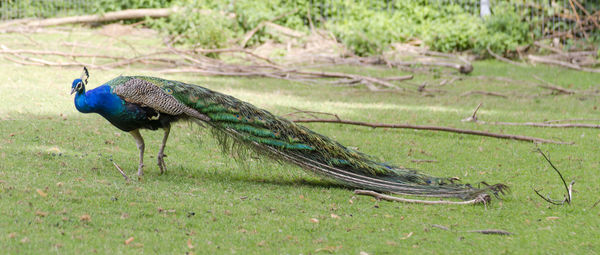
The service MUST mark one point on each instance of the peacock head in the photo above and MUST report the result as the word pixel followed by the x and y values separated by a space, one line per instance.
pixel 79 83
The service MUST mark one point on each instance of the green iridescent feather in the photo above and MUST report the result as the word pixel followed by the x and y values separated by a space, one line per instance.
pixel 286 141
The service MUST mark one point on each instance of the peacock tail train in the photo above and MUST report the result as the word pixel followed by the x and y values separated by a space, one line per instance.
pixel 286 141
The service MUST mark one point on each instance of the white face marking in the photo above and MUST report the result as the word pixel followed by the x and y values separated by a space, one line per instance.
pixel 78 86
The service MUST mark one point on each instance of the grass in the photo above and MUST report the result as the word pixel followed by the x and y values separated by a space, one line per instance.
pixel 59 193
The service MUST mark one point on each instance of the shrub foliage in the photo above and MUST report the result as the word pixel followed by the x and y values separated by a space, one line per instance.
pixel 365 27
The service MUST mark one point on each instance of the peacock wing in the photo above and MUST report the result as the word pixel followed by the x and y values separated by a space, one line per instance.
pixel 140 91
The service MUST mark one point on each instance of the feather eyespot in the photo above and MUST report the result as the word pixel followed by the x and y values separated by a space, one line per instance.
pixel 169 91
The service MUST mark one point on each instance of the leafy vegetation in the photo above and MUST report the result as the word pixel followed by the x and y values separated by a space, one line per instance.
pixel 191 26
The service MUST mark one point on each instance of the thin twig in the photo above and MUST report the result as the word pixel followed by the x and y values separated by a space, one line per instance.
pixel 569 188
pixel 491 232
pixel 423 160
pixel 440 227
pixel 480 231
pixel 120 170
pixel 595 204
pixel 483 198
pixel 480 92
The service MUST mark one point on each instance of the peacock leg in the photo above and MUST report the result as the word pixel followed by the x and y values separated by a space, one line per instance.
pixel 161 151
pixel 139 141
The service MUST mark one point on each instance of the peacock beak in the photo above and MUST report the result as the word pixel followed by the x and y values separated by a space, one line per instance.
pixel 73 90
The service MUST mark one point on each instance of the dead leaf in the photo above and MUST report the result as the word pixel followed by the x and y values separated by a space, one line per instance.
pixel 85 218
pixel 335 216
pixel 227 212
pixel 407 236
pixel 160 210
pixel 314 220
pixel 41 214
pixel 330 249
pixel 59 184
pixel 129 240
pixel 189 244
pixel 12 235
pixel 124 216
pixel 261 243
pixel 552 218
pixel 41 192
pixel 25 240
pixel 363 253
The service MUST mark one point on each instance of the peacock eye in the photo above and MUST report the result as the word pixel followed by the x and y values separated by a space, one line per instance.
pixel 79 85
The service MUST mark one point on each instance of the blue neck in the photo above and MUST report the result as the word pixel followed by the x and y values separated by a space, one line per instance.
pixel 81 102
pixel 100 100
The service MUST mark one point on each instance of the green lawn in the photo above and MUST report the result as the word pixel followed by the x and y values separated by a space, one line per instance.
pixel 59 192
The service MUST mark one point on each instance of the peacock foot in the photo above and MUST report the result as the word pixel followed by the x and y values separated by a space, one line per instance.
pixel 140 170
pixel 161 163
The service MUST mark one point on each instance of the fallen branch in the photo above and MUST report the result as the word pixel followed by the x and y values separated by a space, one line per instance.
pixel 501 58
pixel 481 199
pixel 542 124
pixel 262 24
pixel 109 16
pixel 550 48
pixel 543 60
pixel 570 120
pixel 435 128
pixel 548 124
pixel 349 76
pixel 480 92
pixel 539 59
pixel 194 61
pixel 548 85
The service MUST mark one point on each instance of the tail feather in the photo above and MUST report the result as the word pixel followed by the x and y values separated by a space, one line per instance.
pixel 287 141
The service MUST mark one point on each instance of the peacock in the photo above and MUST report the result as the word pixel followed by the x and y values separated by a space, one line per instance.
pixel 132 103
